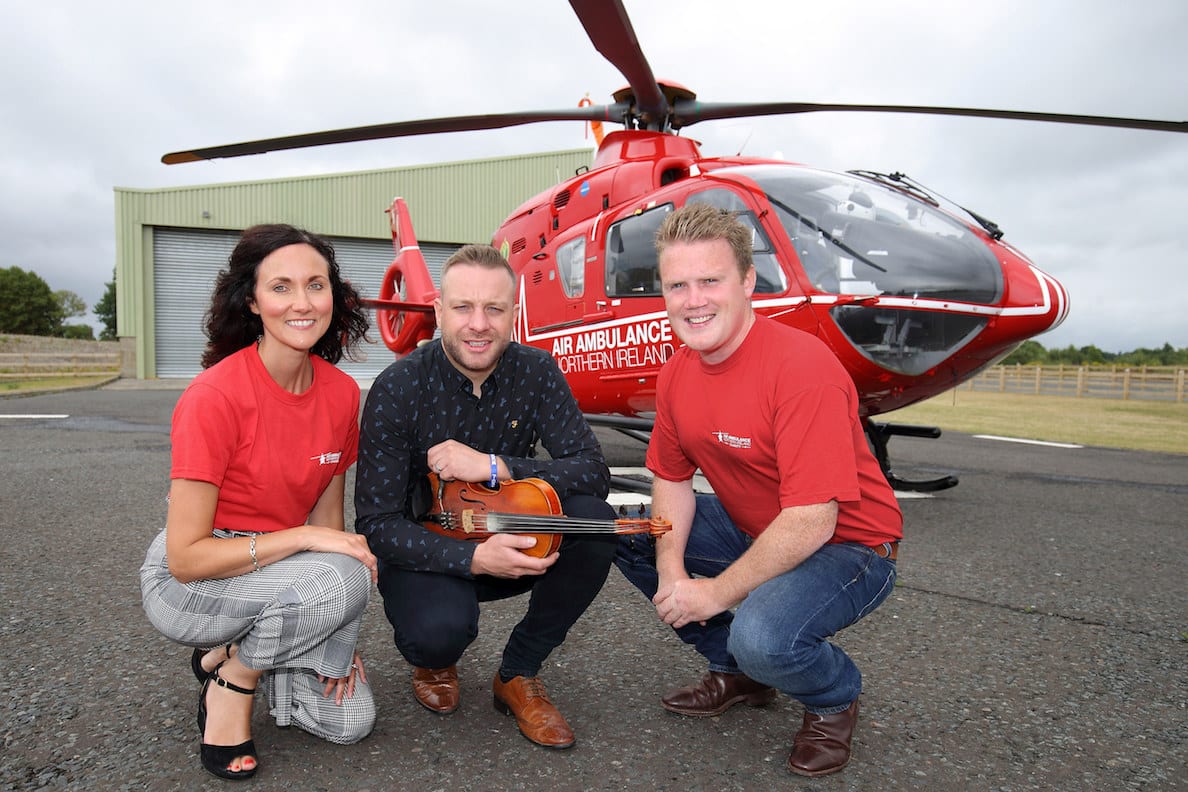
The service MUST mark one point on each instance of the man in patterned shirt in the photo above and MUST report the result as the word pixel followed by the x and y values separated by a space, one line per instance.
pixel 471 406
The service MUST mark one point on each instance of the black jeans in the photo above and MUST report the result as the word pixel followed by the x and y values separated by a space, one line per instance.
pixel 435 617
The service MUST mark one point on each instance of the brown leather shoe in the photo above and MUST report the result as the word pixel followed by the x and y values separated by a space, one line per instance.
pixel 822 745
pixel 436 689
pixel 715 693
pixel 538 719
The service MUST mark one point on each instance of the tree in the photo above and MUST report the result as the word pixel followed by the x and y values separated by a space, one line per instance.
pixel 82 332
pixel 105 309
pixel 71 304
pixel 29 306
pixel 1091 355
pixel 1027 353
pixel 1032 352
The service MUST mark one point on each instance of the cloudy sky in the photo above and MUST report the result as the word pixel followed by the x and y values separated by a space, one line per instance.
pixel 94 93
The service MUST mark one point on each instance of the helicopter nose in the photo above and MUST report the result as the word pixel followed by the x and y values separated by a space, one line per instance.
pixel 1036 301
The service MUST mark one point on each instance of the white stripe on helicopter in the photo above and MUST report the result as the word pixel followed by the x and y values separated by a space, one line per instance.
pixel 1048 286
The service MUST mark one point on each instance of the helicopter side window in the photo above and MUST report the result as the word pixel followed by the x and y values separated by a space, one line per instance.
pixel 571 266
pixel 769 275
pixel 719 198
pixel 631 267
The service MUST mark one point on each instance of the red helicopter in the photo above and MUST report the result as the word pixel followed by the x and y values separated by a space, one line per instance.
pixel 914 295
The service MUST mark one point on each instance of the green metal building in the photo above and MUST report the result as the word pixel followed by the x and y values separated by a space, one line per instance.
pixel 171 243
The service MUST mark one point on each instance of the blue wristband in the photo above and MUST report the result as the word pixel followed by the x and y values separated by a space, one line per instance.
pixel 494 472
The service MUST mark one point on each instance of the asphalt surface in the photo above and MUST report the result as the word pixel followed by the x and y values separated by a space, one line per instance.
pixel 1037 639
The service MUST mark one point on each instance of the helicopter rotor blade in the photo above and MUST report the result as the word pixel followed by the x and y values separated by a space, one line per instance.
pixel 688 112
pixel 395 305
pixel 610 31
pixel 613 112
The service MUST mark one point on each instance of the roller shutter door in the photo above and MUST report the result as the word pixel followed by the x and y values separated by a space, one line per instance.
pixel 187 261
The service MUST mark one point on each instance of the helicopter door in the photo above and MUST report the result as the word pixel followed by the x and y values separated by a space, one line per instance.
pixel 553 296
pixel 769 275
pixel 631 266
pixel 554 293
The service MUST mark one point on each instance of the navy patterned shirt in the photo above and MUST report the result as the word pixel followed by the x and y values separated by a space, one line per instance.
pixel 422 400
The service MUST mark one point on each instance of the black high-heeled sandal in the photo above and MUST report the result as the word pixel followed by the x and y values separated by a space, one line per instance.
pixel 215 758
pixel 201 673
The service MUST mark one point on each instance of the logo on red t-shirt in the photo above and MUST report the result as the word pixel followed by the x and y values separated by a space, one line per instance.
pixel 328 458
pixel 727 439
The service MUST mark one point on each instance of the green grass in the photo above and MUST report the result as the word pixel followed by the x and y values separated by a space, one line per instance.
pixel 1140 425
pixel 16 386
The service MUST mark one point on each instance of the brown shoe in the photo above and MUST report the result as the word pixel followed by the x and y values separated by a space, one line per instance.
pixel 538 719
pixel 436 689
pixel 715 693
pixel 822 745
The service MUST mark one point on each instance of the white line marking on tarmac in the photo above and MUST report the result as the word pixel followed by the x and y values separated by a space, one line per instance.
pixel 32 416
pixel 628 498
pixel 1028 442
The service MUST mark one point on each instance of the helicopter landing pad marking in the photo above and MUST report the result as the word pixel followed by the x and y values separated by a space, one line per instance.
pixel 1028 442
pixel 628 499
pixel 699 482
pixel 33 416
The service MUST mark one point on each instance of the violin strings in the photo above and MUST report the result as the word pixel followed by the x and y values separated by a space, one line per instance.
pixel 531 523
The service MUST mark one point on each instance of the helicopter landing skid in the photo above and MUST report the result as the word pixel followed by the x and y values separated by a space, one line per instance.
pixel 636 428
pixel 880 434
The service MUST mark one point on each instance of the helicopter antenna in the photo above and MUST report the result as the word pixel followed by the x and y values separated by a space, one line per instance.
pixel 746 140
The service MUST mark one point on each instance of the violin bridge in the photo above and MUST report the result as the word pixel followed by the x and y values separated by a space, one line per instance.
pixel 468 520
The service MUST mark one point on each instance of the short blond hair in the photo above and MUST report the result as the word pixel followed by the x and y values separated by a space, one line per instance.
pixel 700 222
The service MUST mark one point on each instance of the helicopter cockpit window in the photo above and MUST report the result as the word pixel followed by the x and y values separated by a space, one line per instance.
pixel 854 236
pixel 571 266
pixel 631 255
pixel 769 275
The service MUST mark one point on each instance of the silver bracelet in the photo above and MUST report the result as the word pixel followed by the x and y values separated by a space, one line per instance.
pixel 252 550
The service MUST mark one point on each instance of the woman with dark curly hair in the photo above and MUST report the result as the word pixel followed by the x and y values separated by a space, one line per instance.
pixel 254 559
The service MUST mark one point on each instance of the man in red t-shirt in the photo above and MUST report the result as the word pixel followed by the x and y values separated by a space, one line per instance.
pixel 800 539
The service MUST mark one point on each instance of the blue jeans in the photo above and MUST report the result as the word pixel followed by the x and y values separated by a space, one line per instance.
pixel 778 634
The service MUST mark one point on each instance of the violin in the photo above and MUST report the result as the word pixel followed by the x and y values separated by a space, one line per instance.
pixel 528 507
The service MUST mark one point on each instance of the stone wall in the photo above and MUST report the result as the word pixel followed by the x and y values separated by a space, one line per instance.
pixel 50 345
